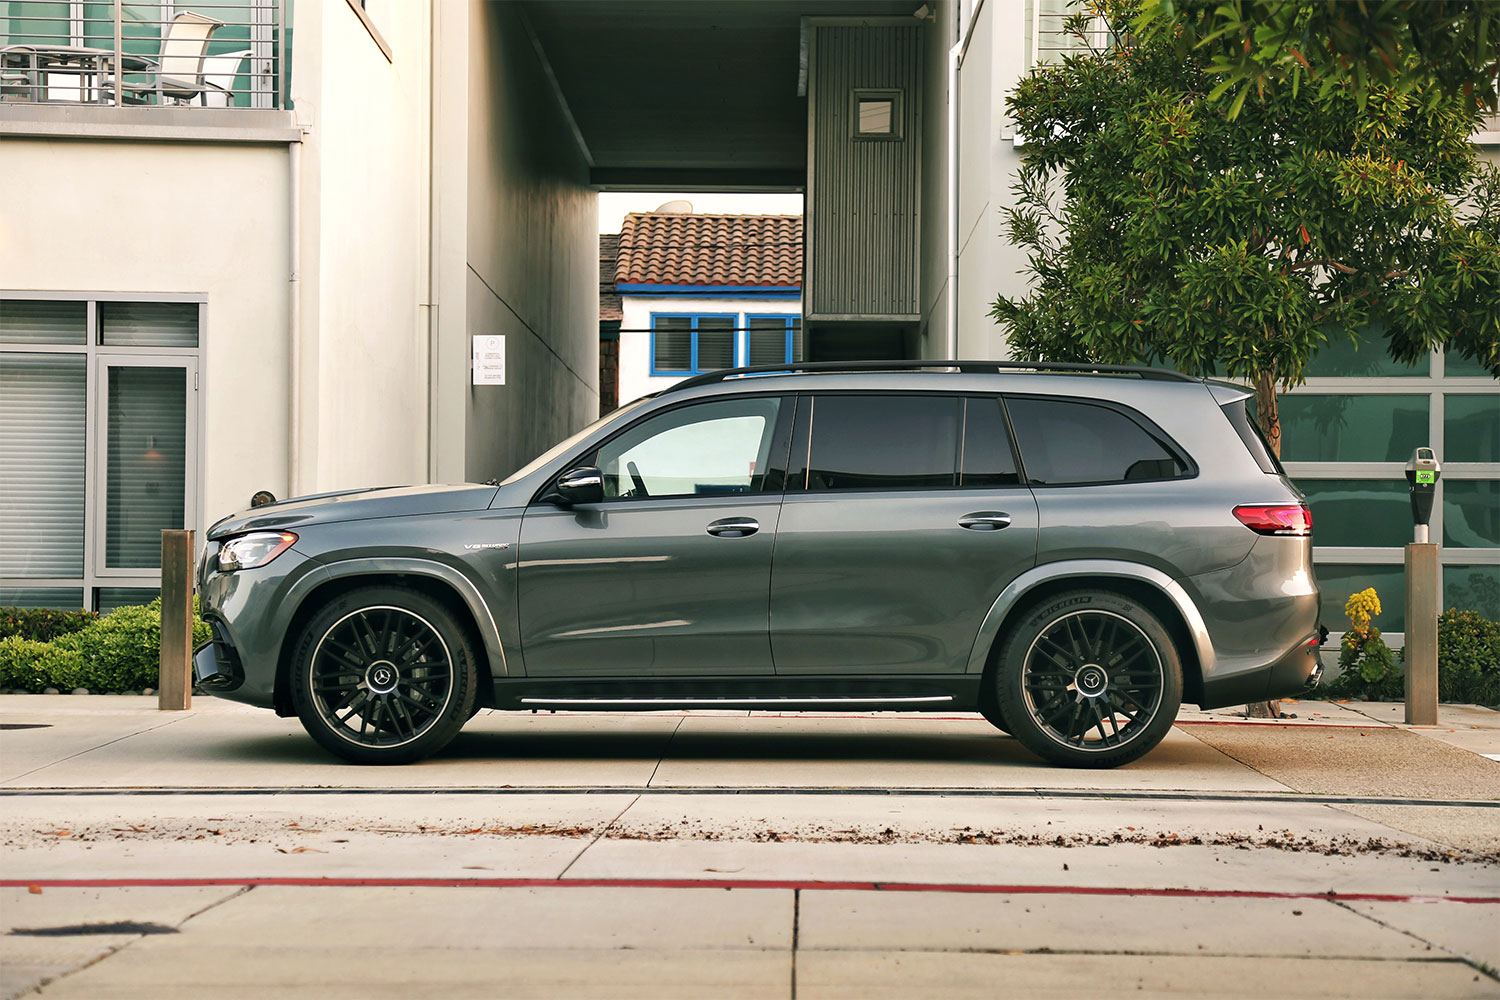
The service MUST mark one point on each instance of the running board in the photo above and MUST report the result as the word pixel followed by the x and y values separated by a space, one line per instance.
pixel 910 693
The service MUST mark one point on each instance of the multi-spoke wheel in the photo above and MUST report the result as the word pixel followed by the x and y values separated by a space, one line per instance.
pixel 1089 679
pixel 383 675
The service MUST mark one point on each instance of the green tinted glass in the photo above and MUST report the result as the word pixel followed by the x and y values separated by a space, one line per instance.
pixel 1472 588
pixel 1471 513
pixel 1471 427
pixel 1367 358
pixel 1336 582
pixel 1358 511
pixel 1335 428
pixel 1457 366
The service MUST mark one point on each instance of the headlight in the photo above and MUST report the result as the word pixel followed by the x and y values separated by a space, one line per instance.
pixel 250 551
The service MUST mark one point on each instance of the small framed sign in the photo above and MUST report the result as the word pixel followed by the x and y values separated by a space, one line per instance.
pixel 489 360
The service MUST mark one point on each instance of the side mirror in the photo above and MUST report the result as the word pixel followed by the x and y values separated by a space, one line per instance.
pixel 584 484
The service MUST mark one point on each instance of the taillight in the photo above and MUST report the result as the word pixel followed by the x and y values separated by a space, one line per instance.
pixel 1276 518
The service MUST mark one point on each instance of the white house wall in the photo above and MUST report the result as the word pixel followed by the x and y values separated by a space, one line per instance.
pixel 636 379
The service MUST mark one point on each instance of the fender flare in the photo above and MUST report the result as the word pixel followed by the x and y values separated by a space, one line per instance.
pixel 1084 570
pixel 489 632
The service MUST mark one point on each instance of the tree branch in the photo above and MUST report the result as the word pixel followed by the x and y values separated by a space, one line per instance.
pixel 1303 265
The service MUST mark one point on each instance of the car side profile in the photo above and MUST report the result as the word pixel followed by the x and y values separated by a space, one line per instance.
pixel 1071 550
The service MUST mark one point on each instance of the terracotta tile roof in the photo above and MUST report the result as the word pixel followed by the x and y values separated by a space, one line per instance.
pixel 682 249
pixel 609 299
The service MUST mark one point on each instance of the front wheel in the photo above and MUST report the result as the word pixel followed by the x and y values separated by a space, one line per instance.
pixel 383 675
pixel 1089 679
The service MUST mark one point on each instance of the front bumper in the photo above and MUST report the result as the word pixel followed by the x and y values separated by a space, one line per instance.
pixel 216 664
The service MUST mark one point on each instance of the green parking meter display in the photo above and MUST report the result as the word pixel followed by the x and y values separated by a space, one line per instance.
pixel 1422 472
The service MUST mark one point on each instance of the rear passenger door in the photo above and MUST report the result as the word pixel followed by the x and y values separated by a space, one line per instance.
pixel 904 518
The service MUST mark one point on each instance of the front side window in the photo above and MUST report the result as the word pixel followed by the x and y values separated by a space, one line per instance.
pixel 879 442
pixel 1070 442
pixel 722 448
pixel 687 345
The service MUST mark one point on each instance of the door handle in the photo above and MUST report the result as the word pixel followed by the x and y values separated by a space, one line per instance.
pixel 734 527
pixel 985 520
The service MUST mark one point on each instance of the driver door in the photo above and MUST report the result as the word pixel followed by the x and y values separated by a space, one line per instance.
pixel 671 574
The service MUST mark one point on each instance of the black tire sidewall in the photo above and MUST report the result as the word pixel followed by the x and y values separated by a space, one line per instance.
pixel 1010 663
pixel 462 658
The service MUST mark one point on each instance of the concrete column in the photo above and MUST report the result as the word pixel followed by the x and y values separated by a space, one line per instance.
pixel 1422 581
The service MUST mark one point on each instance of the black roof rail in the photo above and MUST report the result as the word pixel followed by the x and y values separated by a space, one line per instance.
pixel 962 367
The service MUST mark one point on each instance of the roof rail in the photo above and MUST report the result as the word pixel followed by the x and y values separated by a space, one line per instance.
pixel 961 367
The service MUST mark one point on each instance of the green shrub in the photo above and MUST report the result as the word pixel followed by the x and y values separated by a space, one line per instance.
pixel 1468 658
pixel 1367 667
pixel 42 624
pixel 120 651
pixel 36 666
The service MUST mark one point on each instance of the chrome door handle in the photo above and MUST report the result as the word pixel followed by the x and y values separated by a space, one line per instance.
pixel 734 527
pixel 985 520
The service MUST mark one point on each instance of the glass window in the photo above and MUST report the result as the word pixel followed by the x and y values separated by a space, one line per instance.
pixel 1472 588
pixel 41 597
pixel 672 343
pixel 1068 442
pixel 875 116
pixel 1471 427
pixel 715 343
pixel 107 599
pixel 773 340
pixel 146 480
pixel 32 321
pixel 1471 513
pixel 686 345
pixel 1337 581
pixel 1346 428
pixel 36 22
pixel 1458 366
pixel 1360 512
pixel 987 457
pixel 148 324
pixel 876 442
pixel 42 462
pixel 1366 358
pixel 709 449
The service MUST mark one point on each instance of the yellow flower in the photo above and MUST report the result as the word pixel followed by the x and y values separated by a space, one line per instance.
pixel 1361 607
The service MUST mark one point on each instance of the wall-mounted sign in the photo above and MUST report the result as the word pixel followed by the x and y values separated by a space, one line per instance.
pixel 489 360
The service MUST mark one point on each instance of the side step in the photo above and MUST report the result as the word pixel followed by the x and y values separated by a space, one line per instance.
pixel 769 693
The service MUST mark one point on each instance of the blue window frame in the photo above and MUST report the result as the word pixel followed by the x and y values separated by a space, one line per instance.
pixel 772 339
pixel 690 343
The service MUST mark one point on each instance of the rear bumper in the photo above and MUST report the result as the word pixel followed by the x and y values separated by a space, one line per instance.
pixel 1293 673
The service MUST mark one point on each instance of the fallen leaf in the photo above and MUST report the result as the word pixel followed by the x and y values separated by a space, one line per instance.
pixel 300 850
pixel 482 868
pixel 35 890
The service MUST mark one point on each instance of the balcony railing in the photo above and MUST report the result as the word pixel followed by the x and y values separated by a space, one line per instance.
pixel 194 55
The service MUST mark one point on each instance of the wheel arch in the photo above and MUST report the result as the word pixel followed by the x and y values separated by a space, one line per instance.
pixel 453 590
pixel 1162 595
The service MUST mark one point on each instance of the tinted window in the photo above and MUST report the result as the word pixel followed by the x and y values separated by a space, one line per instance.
pixel 883 442
pixel 987 456
pixel 1067 441
pixel 709 449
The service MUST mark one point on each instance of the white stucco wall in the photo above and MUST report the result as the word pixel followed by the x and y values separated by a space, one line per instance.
pixel 95 216
pixel 636 379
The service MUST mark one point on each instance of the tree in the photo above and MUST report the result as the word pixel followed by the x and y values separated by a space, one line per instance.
pixel 1161 230
pixel 1450 47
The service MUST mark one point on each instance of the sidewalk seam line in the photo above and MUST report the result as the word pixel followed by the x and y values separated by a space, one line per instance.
pixel 101 746
pixel 1476 966
pixel 597 837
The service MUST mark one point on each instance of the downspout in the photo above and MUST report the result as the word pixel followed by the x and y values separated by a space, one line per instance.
pixel 294 320
pixel 955 62
pixel 432 240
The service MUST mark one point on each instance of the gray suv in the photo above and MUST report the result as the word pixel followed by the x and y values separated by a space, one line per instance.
pixel 1070 550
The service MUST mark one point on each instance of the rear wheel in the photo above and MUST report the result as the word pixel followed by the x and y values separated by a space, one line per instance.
pixel 384 675
pixel 1089 679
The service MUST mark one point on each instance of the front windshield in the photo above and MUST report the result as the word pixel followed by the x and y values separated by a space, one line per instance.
pixel 560 449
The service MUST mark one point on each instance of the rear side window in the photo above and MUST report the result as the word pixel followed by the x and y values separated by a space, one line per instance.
pixel 875 442
pixel 1071 442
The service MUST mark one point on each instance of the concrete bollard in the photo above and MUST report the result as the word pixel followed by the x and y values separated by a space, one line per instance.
pixel 174 689
pixel 1422 581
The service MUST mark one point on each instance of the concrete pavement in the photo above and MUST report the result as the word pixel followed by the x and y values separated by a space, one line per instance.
pixel 714 853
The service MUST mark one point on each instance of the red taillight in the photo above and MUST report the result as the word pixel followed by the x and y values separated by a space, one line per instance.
pixel 1276 518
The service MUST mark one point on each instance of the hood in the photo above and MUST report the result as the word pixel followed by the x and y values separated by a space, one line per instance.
pixel 354 505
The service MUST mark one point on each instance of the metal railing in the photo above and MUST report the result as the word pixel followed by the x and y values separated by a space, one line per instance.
pixel 210 54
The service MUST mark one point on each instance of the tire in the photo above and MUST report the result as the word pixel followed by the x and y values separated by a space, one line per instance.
pixel 989 705
pixel 1076 664
pixel 384 675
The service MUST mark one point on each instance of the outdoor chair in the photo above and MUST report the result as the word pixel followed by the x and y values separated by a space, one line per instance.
pixel 219 72
pixel 178 72
pixel 15 80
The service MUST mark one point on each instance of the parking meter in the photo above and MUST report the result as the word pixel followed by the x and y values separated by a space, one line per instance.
pixel 1422 473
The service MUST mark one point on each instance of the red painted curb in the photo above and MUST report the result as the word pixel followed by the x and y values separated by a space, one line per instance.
pixel 691 883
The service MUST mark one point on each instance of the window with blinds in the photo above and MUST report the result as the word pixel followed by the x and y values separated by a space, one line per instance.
pixel 686 345
pixel 43 403
pixel 773 340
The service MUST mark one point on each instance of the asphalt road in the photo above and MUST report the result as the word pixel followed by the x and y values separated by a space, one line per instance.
pixel 219 852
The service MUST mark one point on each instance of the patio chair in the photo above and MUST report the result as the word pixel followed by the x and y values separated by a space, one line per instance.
pixel 219 72
pixel 178 71
pixel 16 79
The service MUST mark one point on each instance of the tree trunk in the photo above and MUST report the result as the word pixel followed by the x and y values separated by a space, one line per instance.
pixel 1268 415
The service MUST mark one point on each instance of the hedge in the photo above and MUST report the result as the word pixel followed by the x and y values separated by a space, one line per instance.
pixel 1468 665
pixel 42 624
pixel 117 652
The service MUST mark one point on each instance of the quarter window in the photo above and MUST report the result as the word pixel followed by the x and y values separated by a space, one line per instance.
pixel 1070 442
pixel 879 442
pixel 721 448
pixel 987 458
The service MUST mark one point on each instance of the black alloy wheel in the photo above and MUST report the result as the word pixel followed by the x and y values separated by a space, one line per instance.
pixel 1089 679
pixel 384 675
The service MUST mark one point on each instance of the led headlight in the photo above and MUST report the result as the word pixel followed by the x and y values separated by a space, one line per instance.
pixel 250 551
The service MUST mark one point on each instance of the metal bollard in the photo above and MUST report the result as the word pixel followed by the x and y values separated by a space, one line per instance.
pixel 174 691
